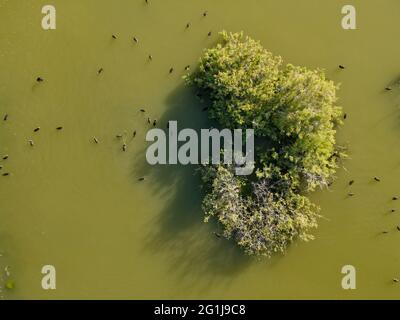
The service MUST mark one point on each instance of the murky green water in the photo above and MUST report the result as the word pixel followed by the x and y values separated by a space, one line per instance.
pixel 79 206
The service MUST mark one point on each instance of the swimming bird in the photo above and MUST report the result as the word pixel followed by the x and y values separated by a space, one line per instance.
pixel 59 128
pixel 114 36
pixel 351 194
pixel 142 110
pixel 5 157
pixel 342 67
pixel 148 120
pixel 388 89
pixel 36 129
pixel 205 13
pixel 154 123
pixel 396 280
pixel 5 117
pixel 142 179
pixel 393 210
pixel 31 143
pixel 188 25
pixel 171 70
pixel 134 133
pixel 351 182
pixel 395 198
pixel 217 234
pixel 187 67
pixel 39 79
pixel 345 116
pixel 135 39
pixel 150 57
pixel 95 140
pixel 398 228
pixel 124 147
pixel 100 70
pixel 209 34
pixel 377 179
pixel 5 174
pixel 385 232
pixel 118 136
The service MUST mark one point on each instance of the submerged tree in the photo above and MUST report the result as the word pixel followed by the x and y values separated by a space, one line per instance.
pixel 294 114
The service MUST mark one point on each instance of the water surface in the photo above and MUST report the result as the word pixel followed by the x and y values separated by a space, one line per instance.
pixel 79 206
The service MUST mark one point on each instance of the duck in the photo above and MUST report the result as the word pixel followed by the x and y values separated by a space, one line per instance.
pixel 5 157
pixel 59 128
pixel 95 140
pixel 342 67
pixel 5 117
pixel 377 179
pixel 36 129
pixel 39 79
pixel 351 182
pixel 124 147
pixel 142 179
pixel 217 234
pixel 31 143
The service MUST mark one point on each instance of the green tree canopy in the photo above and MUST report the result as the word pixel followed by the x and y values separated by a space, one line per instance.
pixel 294 114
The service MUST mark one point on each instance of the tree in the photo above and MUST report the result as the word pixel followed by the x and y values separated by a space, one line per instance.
pixel 294 114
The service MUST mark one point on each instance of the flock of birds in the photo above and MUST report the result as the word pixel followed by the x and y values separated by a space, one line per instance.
pixel 376 179
pixel 154 123
pixel 124 148
pixel 95 140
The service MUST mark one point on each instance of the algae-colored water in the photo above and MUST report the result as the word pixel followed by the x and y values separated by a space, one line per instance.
pixel 79 206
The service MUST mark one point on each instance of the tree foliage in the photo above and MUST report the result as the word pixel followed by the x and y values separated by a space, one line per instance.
pixel 294 114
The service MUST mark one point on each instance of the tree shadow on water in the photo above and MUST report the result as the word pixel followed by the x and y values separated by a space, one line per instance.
pixel 195 255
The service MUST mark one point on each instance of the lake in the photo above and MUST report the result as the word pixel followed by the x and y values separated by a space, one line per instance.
pixel 79 205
